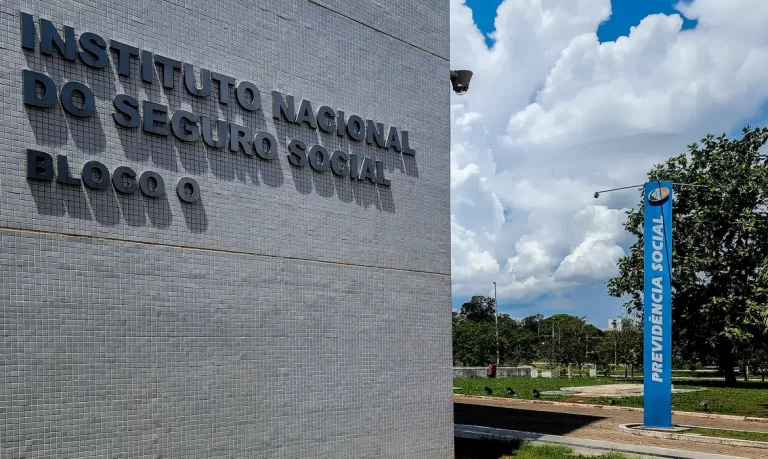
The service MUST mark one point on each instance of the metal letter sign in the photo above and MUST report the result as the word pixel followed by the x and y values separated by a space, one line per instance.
pixel 657 306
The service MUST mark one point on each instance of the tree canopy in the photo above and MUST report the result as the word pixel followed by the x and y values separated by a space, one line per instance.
pixel 559 340
pixel 479 309
pixel 566 337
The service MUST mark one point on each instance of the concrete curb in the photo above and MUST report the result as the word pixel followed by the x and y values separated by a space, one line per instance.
pixel 694 414
pixel 630 428
pixel 478 432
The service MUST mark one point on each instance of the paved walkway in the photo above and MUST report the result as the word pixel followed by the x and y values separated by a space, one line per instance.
pixel 591 423
pixel 581 445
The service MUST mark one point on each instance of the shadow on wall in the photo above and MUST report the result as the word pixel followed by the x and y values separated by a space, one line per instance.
pixel 53 127
pixel 328 184
pixel 107 206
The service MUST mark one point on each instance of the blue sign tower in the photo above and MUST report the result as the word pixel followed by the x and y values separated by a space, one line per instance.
pixel 657 306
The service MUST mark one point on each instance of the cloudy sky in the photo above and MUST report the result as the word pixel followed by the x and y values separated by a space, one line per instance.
pixel 574 96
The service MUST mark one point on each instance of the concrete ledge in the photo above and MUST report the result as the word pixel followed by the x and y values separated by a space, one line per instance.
pixel 479 432
pixel 635 430
pixel 695 414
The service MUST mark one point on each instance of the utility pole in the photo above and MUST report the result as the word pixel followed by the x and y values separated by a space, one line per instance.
pixel 586 348
pixel 586 355
pixel 496 305
pixel 553 344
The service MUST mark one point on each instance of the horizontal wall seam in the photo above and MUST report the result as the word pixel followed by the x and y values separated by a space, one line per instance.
pixel 322 5
pixel 209 250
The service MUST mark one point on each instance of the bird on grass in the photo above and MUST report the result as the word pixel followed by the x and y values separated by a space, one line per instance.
pixel 510 392
pixel 488 390
pixel 536 394
pixel 704 406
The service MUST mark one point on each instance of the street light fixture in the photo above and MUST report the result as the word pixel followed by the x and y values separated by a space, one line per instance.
pixel 597 193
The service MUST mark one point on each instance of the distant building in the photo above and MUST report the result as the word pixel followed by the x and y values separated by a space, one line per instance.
pixel 614 324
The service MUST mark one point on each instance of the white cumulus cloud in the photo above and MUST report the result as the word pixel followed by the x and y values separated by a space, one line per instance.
pixel 552 115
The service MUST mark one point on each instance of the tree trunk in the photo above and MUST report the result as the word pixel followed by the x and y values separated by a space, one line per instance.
pixel 625 370
pixel 730 375
pixel 726 365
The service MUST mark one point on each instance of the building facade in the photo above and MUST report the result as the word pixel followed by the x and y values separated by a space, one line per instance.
pixel 225 229
pixel 615 324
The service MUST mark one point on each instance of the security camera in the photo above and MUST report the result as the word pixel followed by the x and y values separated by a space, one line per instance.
pixel 460 80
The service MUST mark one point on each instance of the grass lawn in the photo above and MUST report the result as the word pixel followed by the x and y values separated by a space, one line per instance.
pixel 495 449
pixel 543 451
pixel 747 399
pixel 524 386
pixel 738 435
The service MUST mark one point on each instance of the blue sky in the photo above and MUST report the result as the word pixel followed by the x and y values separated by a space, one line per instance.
pixel 625 14
pixel 590 299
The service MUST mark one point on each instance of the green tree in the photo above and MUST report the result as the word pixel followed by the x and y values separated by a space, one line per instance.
pixel 474 332
pixel 720 241
pixel 628 345
pixel 474 335
pixel 518 345
pixel 524 347
pixel 760 360
pixel 474 343
pixel 632 343
pixel 567 339
pixel 604 356
pixel 479 309
pixel 758 305
pixel 532 323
